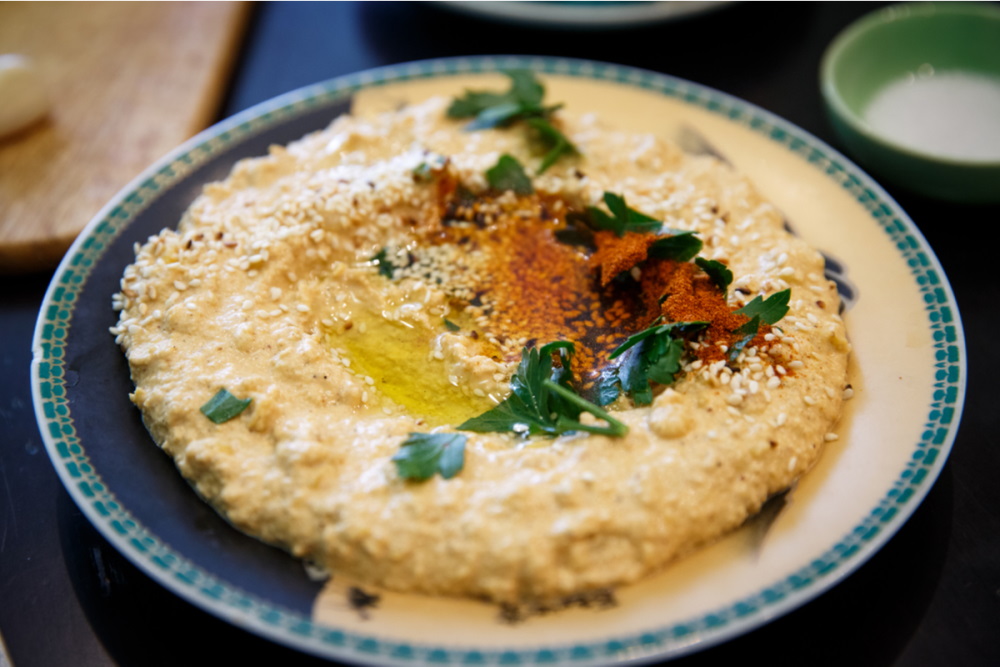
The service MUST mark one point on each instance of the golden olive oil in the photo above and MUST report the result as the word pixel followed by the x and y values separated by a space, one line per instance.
pixel 398 358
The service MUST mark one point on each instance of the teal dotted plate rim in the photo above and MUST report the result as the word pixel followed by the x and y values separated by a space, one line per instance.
pixel 53 383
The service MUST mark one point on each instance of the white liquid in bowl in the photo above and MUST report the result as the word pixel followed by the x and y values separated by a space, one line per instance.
pixel 949 114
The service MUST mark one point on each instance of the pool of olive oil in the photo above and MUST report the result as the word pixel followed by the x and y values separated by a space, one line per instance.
pixel 397 356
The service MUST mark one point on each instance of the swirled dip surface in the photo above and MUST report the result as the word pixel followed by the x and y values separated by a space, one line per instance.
pixel 354 300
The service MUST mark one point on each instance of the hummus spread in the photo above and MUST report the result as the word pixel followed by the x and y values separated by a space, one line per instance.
pixel 366 282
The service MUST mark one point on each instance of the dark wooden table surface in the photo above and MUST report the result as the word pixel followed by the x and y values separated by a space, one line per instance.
pixel 930 597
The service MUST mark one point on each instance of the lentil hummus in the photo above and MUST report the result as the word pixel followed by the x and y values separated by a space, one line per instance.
pixel 372 281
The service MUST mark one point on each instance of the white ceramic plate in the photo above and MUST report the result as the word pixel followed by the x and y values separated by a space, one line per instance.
pixel 909 389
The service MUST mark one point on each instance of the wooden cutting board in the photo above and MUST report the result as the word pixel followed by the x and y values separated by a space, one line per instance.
pixel 128 82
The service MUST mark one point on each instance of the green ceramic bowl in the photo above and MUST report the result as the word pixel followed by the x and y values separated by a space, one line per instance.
pixel 914 41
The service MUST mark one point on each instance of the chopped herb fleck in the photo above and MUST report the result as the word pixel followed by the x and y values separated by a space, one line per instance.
pixel 224 406
pixel 451 326
pixel 423 173
pixel 424 454
pixel 381 260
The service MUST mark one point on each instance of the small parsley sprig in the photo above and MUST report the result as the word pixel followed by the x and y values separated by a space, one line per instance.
pixel 542 400
pixel 622 218
pixel 651 356
pixel 759 310
pixel 521 103
pixel 718 272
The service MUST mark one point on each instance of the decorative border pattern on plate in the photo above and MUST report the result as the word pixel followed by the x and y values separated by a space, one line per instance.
pixel 90 491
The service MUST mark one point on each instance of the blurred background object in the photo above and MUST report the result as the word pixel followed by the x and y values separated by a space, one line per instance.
pixel 913 91
pixel 126 82
pixel 25 100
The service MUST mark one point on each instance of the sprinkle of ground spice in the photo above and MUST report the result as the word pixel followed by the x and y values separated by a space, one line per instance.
pixel 519 284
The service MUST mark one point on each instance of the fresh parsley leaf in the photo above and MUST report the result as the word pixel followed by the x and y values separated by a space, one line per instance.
pixel 679 246
pixel 224 406
pixel 622 219
pixel 521 102
pixel 525 87
pixel 508 174
pixel 490 109
pixel 542 401
pixel 424 454
pixel 381 260
pixel 476 101
pixel 717 271
pixel 770 310
pixel 554 140
pixel 653 355
pixel 501 114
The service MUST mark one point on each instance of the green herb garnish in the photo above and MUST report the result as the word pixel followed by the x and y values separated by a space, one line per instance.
pixel 679 246
pixel 381 260
pixel 508 174
pixel 554 140
pixel 655 359
pixel 522 102
pixel 424 454
pixel 542 400
pixel 490 109
pixel 451 326
pixel 759 310
pixel 424 172
pixel 622 219
pixel 717 271
pixel 224 406
pixel 771 309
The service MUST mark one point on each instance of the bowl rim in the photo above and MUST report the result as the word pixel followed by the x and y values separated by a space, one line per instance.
pixel 891 14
